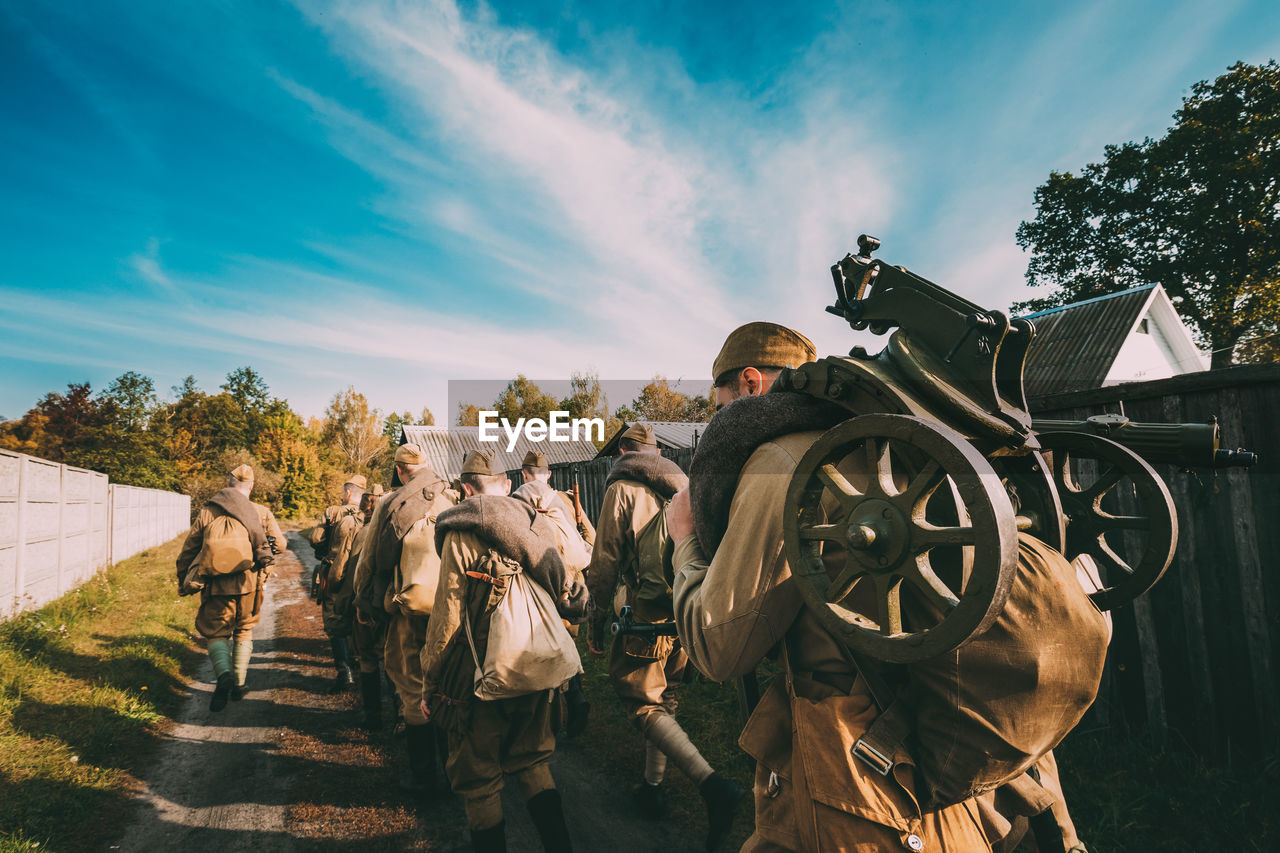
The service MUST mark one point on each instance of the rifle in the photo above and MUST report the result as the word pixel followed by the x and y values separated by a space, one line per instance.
pixel 627 624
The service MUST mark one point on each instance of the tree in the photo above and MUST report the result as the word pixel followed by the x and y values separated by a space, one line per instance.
pixel 354 430
pixel 1197 211
pixel 468 414
pixel 522 398
pixel 658 401
pixel 392 425
pixel 132 397
pixel 247 387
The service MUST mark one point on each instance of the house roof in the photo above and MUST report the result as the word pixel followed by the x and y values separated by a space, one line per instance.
pixel 1075 345
pixel 446 447
pixel 669 434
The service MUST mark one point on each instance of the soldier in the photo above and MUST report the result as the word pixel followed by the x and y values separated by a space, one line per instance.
pixel 342 523
pixel 231 544
pixel 368 637
pixel 400 562
pixel 534 468
pixel 733 608
pixel 536 475
pixel 483 542
pixel 646 674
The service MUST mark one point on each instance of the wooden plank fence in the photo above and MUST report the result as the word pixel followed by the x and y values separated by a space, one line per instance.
pixel 1195 658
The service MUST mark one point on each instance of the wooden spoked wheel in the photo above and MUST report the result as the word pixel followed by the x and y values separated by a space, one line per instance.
pixel 925 567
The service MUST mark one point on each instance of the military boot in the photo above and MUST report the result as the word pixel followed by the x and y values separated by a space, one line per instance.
pixel 371 693
pixel 421 779
pixel 722 796
pixel 547 813
pixel 578 708
pixel 491 840
pixel 345 679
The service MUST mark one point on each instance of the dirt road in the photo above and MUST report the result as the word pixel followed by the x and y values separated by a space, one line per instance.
pixel 286 769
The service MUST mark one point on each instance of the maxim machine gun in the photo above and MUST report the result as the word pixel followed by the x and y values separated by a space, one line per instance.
pixel 927 484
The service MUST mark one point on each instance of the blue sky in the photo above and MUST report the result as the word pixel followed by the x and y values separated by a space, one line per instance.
pixel 395 195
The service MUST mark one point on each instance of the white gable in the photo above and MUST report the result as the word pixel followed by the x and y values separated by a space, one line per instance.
pixel 1158 346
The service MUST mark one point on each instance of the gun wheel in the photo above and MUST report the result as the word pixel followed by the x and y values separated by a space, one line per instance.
pixel 1118 511
pixel 901 536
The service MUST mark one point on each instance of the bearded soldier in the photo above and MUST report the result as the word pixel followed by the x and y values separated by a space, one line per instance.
pixel 225 558
pixel 646 672
pixel 402 570
pixel 340 527
pixel 576 539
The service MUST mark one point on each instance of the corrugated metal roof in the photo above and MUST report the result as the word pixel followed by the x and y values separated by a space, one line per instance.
pixel 669 434
pixel 446 447
pixel 1075 345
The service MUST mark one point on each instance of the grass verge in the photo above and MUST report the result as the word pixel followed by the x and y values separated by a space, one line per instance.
pixel 1131 794
pixel 87 683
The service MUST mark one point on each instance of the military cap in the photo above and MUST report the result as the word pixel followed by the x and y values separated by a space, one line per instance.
pixel 479 462
pixel 410 454
pixel 358 481
pixel 243 473
pixel 534 459
pixel 642 433
pixel 762 345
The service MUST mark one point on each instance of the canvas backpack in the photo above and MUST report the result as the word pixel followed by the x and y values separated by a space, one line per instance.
pixel 572 548
pixel 651 573
pixel 981 715
pixel 528 649
pixel 225 548
pixel 417 574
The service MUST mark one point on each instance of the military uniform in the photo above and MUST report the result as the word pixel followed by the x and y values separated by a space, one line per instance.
pixel 380 599
pixel 491 738
pixel 647 673
pixel 231 604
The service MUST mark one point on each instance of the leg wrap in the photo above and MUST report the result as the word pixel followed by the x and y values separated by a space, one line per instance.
pixel 665 733
pixel 220 657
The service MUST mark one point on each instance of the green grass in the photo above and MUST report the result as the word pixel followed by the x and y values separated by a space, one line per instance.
pixel 708 712
pixel 86 685
pixel 1134 795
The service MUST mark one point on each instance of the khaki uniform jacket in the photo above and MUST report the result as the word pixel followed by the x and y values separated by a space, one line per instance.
pixel 730 611
pixel 368 597
pixel 240 582
pixel 462 550
pixel 341 545
pixel 627 507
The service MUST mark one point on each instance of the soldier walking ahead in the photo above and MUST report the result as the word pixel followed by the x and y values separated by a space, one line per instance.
pixel 225 557
pixel 399 559
pixel 646 672
pixel 495 657
pixel 333 542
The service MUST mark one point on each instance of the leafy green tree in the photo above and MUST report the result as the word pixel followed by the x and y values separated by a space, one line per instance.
pixel 396 421
pixel 658 401
pixel 522 398
pixel 1197 211
pixel 468 414
pixel 132 399
pixel 247 387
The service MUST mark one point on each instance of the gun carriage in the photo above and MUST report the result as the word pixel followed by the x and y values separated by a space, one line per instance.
pixel 923 490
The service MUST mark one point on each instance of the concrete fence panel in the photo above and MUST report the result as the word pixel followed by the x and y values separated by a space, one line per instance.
pixel 60 525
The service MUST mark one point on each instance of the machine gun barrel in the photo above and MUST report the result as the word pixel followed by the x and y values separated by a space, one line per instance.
pixel 1187 445
pixel 627 624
